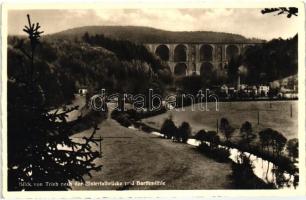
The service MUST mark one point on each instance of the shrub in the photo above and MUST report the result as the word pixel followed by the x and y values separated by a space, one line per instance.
pixel 247 133
pixel 204 148
pixel 200 135
pixel 293 148
pixel 133 114
pixel 221 154
pixel 272 138
pixel 122 117
pixel 184 132
pixel 124 120
pixel 211 136
pixel 226 128
pixel 137 115
pixel 244 178
pixel 168 129
pixel 87 121
pixel 217 153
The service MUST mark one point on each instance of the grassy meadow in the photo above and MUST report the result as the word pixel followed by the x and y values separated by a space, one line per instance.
pixel 272 114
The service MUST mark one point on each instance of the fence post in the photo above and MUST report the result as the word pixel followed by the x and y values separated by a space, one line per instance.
pixel 100 145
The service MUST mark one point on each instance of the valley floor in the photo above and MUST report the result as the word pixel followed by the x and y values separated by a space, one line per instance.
pixel 272 114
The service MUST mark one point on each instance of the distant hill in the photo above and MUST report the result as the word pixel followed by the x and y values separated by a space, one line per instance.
pixel 141 34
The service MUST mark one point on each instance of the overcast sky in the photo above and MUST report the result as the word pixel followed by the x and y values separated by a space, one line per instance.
pixel 247 22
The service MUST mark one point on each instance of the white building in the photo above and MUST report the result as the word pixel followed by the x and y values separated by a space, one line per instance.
pixel 263 89
pixel 82 91
pixel 224 89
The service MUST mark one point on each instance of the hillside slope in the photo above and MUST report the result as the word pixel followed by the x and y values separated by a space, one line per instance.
pixel 68 65
pixel 130 155
pixel 141 34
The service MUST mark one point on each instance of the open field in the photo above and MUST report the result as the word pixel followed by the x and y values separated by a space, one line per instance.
pixel 132 155
pixel 276 116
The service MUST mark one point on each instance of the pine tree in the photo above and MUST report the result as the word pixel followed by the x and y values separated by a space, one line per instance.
pixel 40 148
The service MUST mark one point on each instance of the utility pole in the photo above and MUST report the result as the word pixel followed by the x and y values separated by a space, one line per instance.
pixel 217 126
pixel 258 117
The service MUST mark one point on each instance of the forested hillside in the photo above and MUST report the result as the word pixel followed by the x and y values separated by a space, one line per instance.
pixel 270 61
pixel 97 61
pixel 68 65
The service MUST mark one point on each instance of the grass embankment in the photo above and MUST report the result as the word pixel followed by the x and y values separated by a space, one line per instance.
pixel 131 155
pixel 247 180
pixel 276 115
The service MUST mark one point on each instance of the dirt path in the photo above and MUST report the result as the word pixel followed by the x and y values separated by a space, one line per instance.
pixel 131 155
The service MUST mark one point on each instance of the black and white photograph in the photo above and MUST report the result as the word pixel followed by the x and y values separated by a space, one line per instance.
pixel 153 98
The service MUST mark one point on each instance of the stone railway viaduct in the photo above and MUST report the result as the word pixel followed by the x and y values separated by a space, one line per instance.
pixel 197 58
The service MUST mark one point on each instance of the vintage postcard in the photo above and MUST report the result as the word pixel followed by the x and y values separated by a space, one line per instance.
pixel 144 99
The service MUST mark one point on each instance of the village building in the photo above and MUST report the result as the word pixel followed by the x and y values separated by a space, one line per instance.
pixel 263 90
pixel 82 91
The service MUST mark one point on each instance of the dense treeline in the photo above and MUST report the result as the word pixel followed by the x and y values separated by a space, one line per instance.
pixel 57 87
pixel 68 65
pixel 271 61
pixel 125 49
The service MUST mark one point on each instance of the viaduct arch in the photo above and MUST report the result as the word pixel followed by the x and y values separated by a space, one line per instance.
pixel 197 58
pixel 162 51
pixel 180 69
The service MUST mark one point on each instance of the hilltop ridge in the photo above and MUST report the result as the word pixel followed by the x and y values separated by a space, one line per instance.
pixel 141 34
